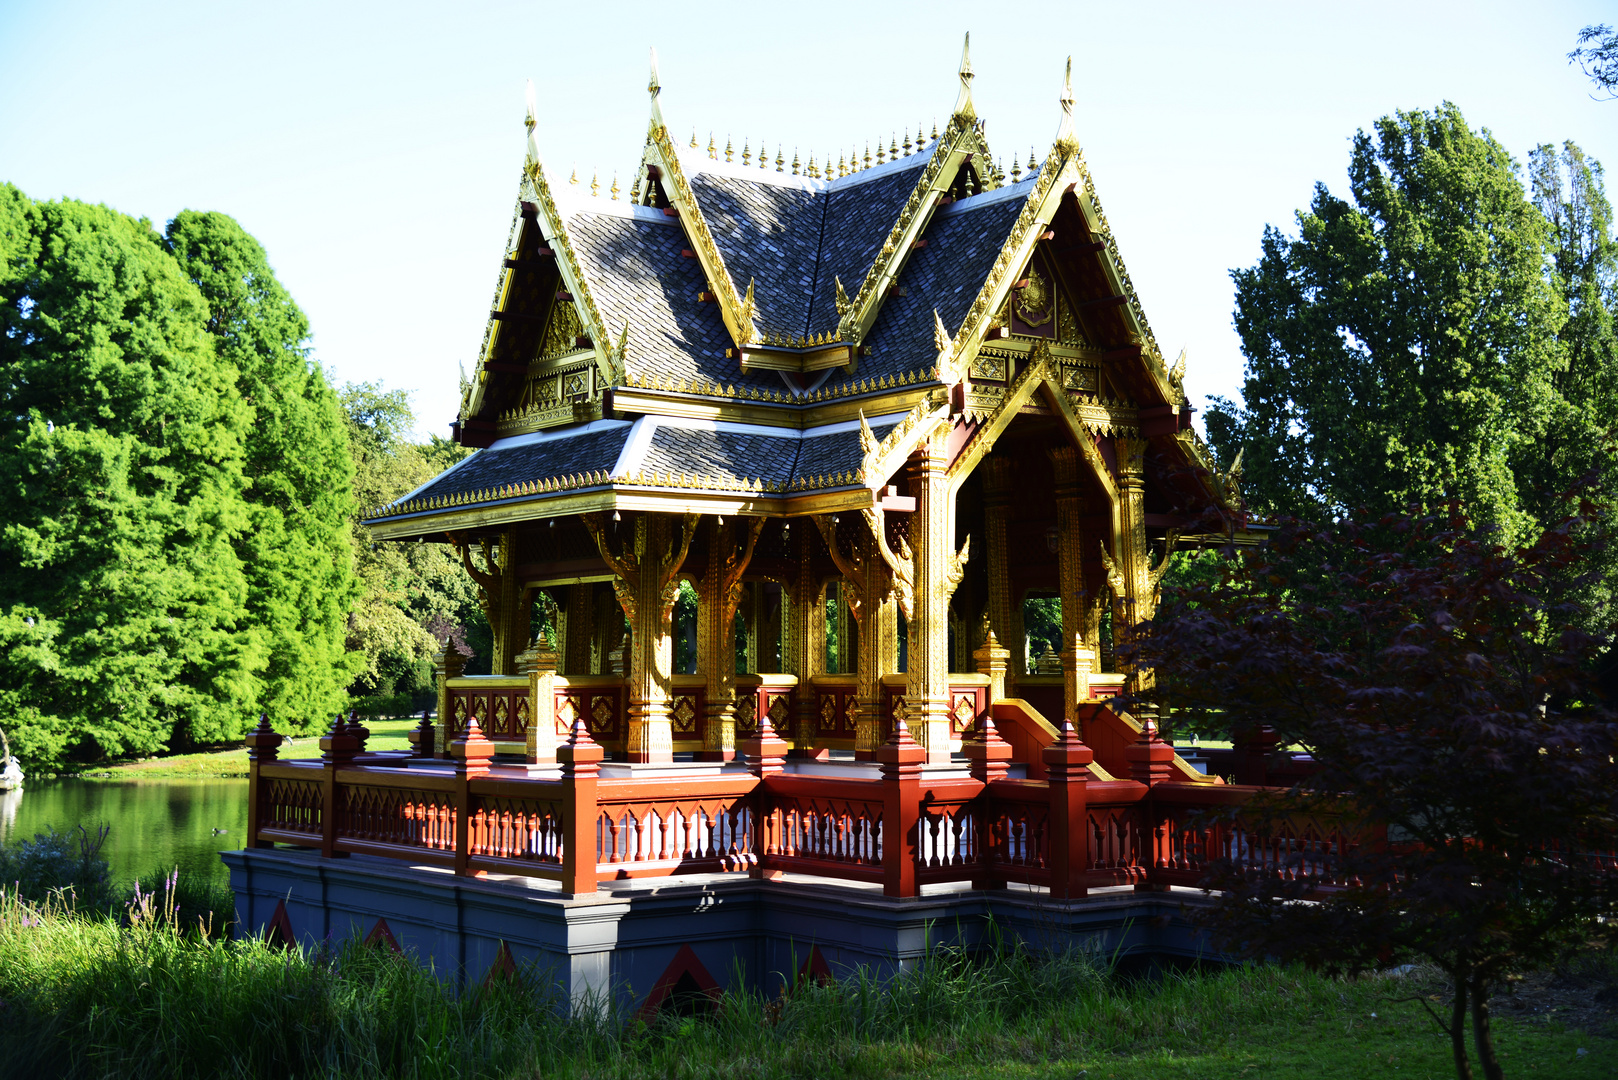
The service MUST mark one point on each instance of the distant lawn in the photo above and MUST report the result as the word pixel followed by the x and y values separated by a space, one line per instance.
pixel 385 735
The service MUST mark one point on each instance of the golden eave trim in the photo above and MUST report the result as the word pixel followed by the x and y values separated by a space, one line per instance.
pixel 736 312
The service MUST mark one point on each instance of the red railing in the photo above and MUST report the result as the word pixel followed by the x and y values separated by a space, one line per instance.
pixel 898 825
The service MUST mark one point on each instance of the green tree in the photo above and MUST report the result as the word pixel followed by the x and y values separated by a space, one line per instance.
pixel 1597 57
pixel 121 494
pixel 405 588
pixel 1404 346
pixel 297 551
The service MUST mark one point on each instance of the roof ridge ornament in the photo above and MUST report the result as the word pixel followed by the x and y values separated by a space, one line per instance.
pixel 654 87
pixel 1065 137
pixel 963 102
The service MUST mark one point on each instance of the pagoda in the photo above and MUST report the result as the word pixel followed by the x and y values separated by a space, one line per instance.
pixel 867 410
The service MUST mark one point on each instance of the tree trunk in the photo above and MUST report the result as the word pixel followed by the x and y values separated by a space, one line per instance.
pixel 1482 1035
pixel 1457 1028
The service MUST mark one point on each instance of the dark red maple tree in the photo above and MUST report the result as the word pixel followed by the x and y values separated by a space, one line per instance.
pixel 1446 689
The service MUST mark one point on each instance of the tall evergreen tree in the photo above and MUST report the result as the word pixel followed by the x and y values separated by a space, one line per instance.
pixel 121 493
pixel 297 551
pixel 1404 347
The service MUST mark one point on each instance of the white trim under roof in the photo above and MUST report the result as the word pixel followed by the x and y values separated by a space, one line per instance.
pixel 511 442
pixel 633 455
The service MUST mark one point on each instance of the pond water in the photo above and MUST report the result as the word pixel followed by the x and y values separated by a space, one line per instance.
pixel 156 824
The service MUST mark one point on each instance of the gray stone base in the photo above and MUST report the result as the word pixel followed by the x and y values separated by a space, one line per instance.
pixel 622 940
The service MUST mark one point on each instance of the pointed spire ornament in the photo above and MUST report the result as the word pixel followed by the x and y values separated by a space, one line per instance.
pixel 713 151
pixel 814 173
pixel 880 158
pixel 963 102
pixel 780 162
pixel 1033 162
pixel 729 154
pixel 1066 139
pixel 907 142
pixel 794 161
pixel 842 167
pixel 1016 170
pixel 893 150
pixel 654 86
pixel 595 184
pixel 614 188
pixel 935 129
pixel 533 110
pixel 747 152
pixel 693 138
pixel 867 155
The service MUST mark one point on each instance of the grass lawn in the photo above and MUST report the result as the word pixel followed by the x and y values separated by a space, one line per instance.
pixel 385 735
pixel 98 996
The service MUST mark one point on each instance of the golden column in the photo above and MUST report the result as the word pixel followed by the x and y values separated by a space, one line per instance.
pixel 1078 651
pixel 1129 571
pixel 579 630
pixel 936 570
pixel 647 585
pixel 868 596
pixel 1003 621
pixel 808 645
pixel 507 605
pixel 721 593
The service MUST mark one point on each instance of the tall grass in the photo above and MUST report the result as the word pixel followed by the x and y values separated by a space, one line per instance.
pixel 148 994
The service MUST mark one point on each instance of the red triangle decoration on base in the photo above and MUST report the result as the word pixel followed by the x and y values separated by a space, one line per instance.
pixel 684 967
pixel 381 935
pixel 278 931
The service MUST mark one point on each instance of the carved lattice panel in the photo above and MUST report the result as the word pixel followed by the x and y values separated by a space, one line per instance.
pixel 684 715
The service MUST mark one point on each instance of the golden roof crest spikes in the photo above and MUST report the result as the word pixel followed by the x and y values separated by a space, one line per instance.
pixel 614 189
pixel 713 151
pixel 729 154
pixel 595 185
pixel 963 102
pixel 881 158
pixel 795 161
pixel 693 138
pixel 1016 170
pixel 747 152
pixel 780 162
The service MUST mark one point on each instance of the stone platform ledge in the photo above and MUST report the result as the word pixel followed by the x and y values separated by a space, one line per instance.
pixel 625 940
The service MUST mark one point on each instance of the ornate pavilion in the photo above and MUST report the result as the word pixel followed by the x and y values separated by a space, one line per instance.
pixel 867 411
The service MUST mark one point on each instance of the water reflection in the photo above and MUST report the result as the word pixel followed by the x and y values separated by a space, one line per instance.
pixel 156 824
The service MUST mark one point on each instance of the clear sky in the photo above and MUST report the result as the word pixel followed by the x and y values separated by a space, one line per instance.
pixel 374 149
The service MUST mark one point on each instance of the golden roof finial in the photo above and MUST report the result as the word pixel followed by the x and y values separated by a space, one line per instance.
pixel 907 142
pixel 1016 170
pixel 730 155
pixel 595 184
pixel 574 179
pixel 893 150
pixel 814 173
pixel 1065 136
pixel 880 153
pixel 794 161
pixel 654 86
pixel 842 166
pixel 693 138
pixel 634 191
pixel 1033 162
pixel 963 102
pixel 780 162
pixel 763 155
pixel 713 151
pixel 935 127
pixel 747 152
pixel 868 154
pixel 533 112
pixel 614 188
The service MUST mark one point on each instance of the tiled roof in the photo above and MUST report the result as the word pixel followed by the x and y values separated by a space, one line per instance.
pixel 636 272
pixel 661 451
pixel 529 458
pixel 963 240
